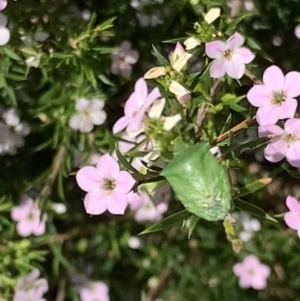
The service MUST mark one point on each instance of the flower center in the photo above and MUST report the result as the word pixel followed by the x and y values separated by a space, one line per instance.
pixel 278 98
pixel 109 184
pixel 251 272
pixel 289 139
pixel 228 54
pixel 86 113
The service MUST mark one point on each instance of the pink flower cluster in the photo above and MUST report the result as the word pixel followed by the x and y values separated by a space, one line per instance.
pixel 28 218
pixel 106 185
pixel 275 99
pixel 31 287
pixel 252 273
pixel 149 207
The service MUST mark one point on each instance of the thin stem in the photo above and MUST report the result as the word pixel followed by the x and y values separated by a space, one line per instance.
pixel 202 110
pixel 253 77
pixel 61 291
pixel 236 128
pixel 58 160
pixel 163 278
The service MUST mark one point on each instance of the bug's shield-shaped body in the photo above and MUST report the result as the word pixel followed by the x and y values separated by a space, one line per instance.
pixel 199 181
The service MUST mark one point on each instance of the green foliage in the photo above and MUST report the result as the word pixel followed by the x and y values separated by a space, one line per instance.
pixel 199 182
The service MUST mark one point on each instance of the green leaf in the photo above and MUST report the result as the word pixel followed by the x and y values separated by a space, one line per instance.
pixel 192 223
pixel 104 50
pixel 173 41
pixel 227 124
pixel 106 24
pixel 254 186
pixel 200 182
pixel 168 222
pixel 258 184
pixel 126 164
pixel 292 173
pixel 233 24
pixel 252 209
pixel 159 57
pixel 11 54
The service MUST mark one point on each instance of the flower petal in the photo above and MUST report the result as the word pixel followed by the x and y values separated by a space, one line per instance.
pixel 117 203
pixel 293 154
pixel 97 104
pixel 235 41
pixel 270 129
pixel 82 104
pixel 235 68
pixel 24 228
pixel 293 204
pixel 88 178
pixel 267 115
pixel 124 182
pixel 292 84
pixel 292 220
pixel 245 281
pixel 246 56
pixel 259 96
pixel 121 124
pixel 258 282
pixel 275 151
pixel 141 90
pixel 74 122
pixel 98 117
pixel 108 167
pixel 153 95
pixel 292 126
pixel 215 49
pixel 95 202
pixel 217 68
pixel 132 57
pixel 274 78
pixel 4 36
pixel 287 109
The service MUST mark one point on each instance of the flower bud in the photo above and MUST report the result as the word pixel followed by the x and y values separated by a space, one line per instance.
pixel 191 43
pixel 182 94
pixel 155 72
pixel 212 15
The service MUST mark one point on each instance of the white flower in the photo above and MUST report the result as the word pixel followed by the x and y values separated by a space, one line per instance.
pixel 123 58
pixel 248 226
pixel 12 132
pixel 90 113
pixel 134 242
pixel 4 32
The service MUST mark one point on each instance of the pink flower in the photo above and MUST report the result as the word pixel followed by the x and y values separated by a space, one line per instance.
pixel 136 108
pixel 229 57
pixel 94 291
pixel 106 186
pixel 3 4
pixel 252 273
pixel 275 98
pixel 297 31
pixel 31 287
pixel 123 58
pixel 28 217
pixel 283 143
pixel 292 218
pixel 149 208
